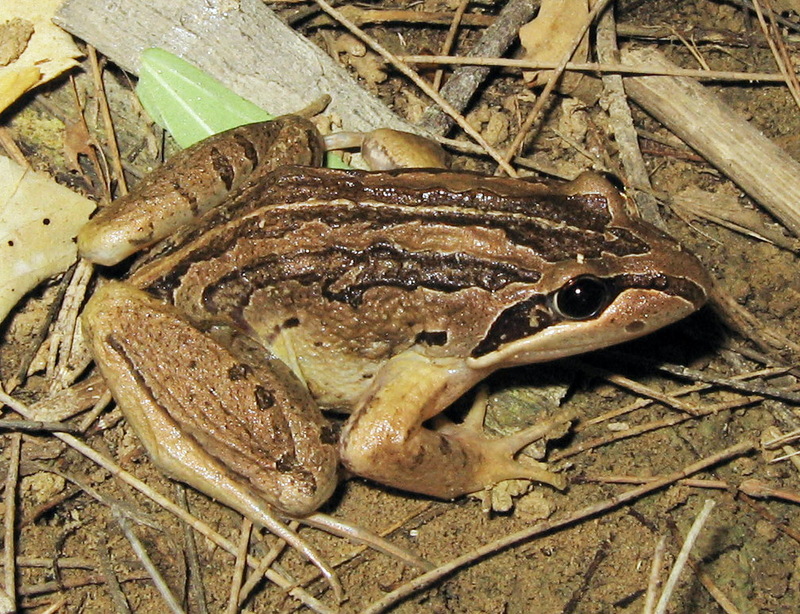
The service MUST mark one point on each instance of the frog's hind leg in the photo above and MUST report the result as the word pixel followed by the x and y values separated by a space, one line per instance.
pixel 231 424
pixel 388 439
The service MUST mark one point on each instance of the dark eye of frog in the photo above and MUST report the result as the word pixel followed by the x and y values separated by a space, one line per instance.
pixel 581 298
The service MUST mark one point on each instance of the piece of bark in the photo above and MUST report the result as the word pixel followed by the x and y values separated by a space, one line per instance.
pixel 758 166
pixel 465 80
pixel 242 44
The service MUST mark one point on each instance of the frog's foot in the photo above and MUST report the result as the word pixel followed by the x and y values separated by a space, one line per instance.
pixel 498 454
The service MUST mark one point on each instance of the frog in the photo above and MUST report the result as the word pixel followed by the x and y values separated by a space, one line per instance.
pixel 275 291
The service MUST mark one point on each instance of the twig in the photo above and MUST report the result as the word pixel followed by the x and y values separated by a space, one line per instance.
pixel 10 503
pixel 190 547
pixel 494 41
pixel 637 177
pixel 429 578
pixel 155 574
pixel 112 582
pixel 447 45
pixel 33 426
pixel 642 69
pixel 759 490
pixel 683 556
pixel 237 576
pixel 552 82
pixel 655 575
pixel 419 82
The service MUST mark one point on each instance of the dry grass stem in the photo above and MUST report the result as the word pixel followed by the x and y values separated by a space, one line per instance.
pixel 778 48
pixel 166 503
pixel 654 580
pixel 196 589
pixel 141 552
pixel 638 388
pixel 108 123
pixel 237 576
pixel 447 45
pixel 683 557
pixel 600 67
pixel 10 518
pixel 110 576
pixel 648 427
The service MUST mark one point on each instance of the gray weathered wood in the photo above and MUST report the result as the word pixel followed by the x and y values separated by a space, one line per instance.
pixel 763 170
pixel 243 44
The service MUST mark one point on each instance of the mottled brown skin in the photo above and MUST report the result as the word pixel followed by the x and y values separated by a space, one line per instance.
pixel 387 295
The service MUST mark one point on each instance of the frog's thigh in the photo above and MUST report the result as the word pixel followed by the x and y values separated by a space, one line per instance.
pixel 234 426
pixel 385 439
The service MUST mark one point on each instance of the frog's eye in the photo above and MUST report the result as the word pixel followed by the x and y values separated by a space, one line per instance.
pixel 581 298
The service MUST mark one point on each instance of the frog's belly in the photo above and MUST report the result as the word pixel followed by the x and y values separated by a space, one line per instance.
pixel 336 380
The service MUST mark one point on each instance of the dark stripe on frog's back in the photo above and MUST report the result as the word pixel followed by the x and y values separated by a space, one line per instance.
pixel 526 217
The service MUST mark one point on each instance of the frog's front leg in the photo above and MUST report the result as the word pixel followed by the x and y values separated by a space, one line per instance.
pixel 386 440
pixel 195 180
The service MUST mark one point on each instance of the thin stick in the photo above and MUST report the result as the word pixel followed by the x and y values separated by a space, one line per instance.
pixel 552 82
pixel 683 556
pixel 447 45
pixel 10 502
pixel 625 135
pixel 406 70
pixel 655 575
pixel 190 546
pixel 638 388
pixel 112 582
pixel 642 69
pixel 238 569
pixel 155 574
pixel 427 579
pixel 33 426
pixel 108 123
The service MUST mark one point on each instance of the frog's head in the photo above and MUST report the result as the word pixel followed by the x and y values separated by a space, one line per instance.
pixel 640 281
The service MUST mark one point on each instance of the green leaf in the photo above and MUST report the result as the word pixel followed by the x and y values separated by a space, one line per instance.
pixel 187 102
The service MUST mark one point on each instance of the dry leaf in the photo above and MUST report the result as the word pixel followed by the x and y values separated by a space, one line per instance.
pixel 28 60
pixel 39 220
pixel 549 36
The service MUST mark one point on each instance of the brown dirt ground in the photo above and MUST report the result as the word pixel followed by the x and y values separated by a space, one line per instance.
pixel 748 550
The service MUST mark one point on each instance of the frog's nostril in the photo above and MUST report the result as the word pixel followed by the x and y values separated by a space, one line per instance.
pixel 634 327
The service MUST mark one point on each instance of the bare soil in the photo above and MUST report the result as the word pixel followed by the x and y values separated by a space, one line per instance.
pixel 748 551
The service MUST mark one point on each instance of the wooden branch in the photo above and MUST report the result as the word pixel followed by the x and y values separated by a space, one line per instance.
pixel 739 150
pixel 247 48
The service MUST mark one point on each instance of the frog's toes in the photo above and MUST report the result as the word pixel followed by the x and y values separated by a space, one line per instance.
pixel 497 455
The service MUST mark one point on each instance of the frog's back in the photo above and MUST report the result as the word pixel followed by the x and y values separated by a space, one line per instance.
pixel 345 269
